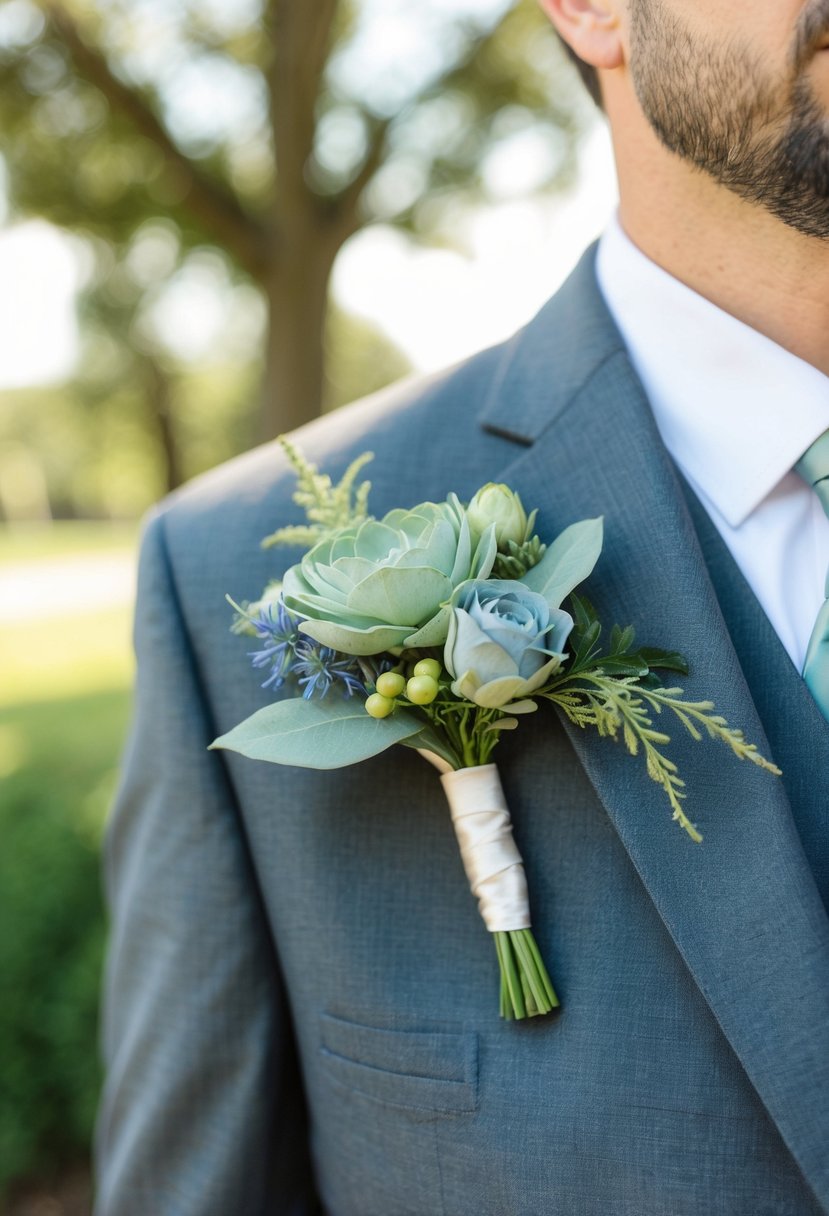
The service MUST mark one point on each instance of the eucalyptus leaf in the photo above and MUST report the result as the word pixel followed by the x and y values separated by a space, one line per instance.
pixel 317 734
pixel 568 561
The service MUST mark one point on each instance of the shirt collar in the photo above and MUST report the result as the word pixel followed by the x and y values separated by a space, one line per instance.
pixel 734 409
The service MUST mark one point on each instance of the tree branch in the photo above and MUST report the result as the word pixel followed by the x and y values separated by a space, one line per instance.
pixel 346 208
pixel 215 206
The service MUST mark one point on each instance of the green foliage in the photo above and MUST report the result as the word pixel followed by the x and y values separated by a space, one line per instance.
pixel 360 359
pixel 317 734
pixel 518 559
pixel 568 561
pixel 58 765
pixel 100 135
pixel 90 450
pixel 619 692
pixel 327 507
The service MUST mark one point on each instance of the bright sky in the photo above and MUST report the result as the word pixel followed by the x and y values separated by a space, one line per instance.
pixel 438 306
pixel 38 279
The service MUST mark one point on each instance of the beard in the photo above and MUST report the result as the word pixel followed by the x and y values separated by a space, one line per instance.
pixel 716 106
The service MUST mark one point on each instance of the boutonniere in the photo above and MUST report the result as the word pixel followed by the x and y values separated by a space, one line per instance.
pixel 439 627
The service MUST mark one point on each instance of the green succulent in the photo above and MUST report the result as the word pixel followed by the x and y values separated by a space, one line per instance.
pixel 387 582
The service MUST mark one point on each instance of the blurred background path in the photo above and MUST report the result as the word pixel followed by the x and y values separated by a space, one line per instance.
pixel 65 672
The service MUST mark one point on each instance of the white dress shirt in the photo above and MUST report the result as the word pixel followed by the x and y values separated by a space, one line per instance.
pixel 735 411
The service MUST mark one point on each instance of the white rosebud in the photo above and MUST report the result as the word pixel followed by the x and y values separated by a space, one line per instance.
pixel 499 505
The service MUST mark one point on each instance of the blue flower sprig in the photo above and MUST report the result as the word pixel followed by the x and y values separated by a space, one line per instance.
pixel 289 656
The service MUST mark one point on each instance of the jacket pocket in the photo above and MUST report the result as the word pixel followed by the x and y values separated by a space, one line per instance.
pixel 429 1071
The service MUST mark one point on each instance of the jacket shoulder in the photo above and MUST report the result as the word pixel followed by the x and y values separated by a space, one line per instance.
pixel 424 419
pixel 424 434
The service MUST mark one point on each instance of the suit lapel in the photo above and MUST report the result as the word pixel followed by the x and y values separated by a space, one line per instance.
pixel 743 907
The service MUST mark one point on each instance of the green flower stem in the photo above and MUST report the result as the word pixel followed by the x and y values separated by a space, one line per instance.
pixel 533 966
pixel 526 988
pixel 509 977
pixel 465 729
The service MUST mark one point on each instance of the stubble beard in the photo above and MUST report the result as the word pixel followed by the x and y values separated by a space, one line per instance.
pixel 715 106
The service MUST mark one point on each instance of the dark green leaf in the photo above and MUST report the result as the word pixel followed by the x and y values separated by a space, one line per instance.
pixel 669 660
pixel 621 665
pixel 583 611
pixel 584 645
pixel 621 640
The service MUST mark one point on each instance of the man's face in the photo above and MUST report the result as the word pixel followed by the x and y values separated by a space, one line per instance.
pixel 741 89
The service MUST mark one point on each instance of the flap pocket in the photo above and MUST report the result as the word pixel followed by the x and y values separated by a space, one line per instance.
pixel 431 1070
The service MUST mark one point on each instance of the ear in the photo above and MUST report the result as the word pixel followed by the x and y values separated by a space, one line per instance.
pixel 592 28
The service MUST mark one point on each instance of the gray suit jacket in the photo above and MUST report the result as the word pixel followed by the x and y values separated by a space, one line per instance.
pixel 301 1000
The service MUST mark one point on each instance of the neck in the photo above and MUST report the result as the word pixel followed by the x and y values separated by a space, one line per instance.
pixel 736 254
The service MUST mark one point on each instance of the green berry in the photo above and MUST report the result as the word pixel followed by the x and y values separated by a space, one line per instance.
pixel 390 684
pixel 422 690
pixel 378 706
pixel 428 667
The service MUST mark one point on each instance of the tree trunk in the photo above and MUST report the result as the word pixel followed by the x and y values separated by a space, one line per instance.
pixel 295 350
pixel 161 412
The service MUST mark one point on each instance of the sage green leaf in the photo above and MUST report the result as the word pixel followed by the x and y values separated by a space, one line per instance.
pixel 349 640
pixel 568 561
pixel 483 559
pixel 317 734
pixel 397 596
pixel 463 557
pixel 434 632
pixel 375 540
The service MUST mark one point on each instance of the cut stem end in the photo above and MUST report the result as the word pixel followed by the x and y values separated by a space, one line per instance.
pixel 526 988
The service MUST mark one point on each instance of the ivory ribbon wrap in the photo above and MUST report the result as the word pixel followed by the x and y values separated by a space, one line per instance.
pixel 490 855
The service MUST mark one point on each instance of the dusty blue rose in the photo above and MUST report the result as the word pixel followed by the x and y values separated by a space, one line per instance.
pixel 504 641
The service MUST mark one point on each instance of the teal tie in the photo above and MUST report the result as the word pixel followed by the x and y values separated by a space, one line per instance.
pixel 813 467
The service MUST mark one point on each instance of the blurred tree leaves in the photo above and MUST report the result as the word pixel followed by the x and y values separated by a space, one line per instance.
pixel 244 141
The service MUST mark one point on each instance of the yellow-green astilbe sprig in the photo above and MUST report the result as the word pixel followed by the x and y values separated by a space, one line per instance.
pixel 328 507
pixel 619 694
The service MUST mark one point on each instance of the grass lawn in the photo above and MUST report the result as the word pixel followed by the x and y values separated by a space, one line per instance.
pixel 64 709
pixel 33 542
pixel 58 636
pixel 64 656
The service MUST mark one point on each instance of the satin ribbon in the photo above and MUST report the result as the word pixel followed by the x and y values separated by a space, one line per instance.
pixel 490 855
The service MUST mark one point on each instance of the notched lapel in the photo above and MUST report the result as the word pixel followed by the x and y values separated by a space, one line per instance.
pixel 742 907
